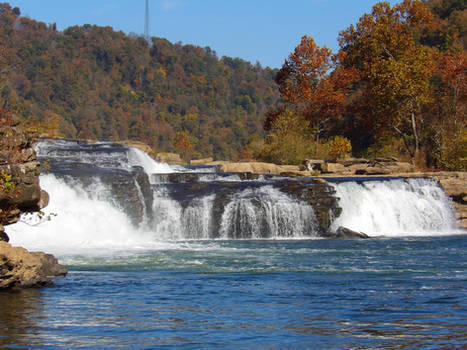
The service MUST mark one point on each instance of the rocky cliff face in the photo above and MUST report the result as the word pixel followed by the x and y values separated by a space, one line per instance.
pixel 20 192
pixel 19 170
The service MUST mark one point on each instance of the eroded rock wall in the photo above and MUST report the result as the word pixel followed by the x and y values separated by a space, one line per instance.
pixel 19 174
pixel 20 192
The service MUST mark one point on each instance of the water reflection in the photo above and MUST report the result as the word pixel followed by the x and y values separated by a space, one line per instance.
pixel 20 315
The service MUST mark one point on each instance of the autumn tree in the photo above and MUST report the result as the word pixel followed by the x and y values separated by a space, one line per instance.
pixel 448 131
pixel 182 144
pixel 394 70
pixel 301 72
pixel 308 87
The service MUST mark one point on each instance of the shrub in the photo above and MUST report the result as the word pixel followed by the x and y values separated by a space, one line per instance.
pixel 340 147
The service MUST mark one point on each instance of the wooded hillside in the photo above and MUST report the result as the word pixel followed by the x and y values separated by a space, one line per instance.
pixel 95 83
pixel 397 87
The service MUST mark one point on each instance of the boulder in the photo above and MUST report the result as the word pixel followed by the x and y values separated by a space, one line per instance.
pixel 373 170
pixel 201 161
pixel 254 167
pixel 169 158
pixel 400 167
pixel 20 268
pixel 314 164
pixel 345 233
pixel 3 236
pixel 351 161
pixel 333 168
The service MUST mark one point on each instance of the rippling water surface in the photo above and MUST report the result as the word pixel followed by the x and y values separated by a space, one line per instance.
pixel 383 293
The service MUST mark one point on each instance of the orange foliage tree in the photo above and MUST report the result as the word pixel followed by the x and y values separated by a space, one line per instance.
pixel 183 144
pixel 394 70
pixel 307 87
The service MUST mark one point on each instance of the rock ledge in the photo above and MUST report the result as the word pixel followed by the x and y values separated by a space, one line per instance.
pixel 20 268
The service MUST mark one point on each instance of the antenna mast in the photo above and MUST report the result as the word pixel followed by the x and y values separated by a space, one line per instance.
pixel 146 23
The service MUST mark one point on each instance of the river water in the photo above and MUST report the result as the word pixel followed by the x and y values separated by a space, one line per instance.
pixel 156 284
pixel 402 293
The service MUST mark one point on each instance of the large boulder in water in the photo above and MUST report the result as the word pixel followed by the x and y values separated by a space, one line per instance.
pixel 344 233
pixel 20 268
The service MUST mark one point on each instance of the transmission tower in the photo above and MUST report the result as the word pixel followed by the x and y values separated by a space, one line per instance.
pixel 147 30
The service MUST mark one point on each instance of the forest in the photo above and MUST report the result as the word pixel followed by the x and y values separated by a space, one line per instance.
pixel 396 87
pixel 91 82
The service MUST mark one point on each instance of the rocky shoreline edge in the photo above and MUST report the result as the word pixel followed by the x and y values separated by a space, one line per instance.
pixel 20 268
pixel 19 193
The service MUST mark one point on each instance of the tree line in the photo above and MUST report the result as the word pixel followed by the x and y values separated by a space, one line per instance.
pixel 92 82
pixel 396 87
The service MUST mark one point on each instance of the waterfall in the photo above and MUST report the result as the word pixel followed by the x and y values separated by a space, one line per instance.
pixel 137 157
pixel 394 207
pixel 266 213
pixel 107 196
pixel 79 220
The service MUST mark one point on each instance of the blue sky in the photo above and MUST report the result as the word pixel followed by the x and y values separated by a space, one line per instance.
pixel 255 30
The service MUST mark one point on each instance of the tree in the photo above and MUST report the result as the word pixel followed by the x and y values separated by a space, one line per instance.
pixel 308 88
pixel 448 131
pixel 394 70
pixel 182 144
pixel 290 140
pixel 301 72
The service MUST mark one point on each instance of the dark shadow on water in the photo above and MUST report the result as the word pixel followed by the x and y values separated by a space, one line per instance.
pixel 20 315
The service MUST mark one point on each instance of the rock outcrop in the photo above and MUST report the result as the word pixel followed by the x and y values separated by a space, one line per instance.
pixel 202 161
pixel 320 195
pixel 19 170
pixel 20 268
pixel 254 167
pixel 169 158
pixel 345 233
pixel 20 192
pixel 358 166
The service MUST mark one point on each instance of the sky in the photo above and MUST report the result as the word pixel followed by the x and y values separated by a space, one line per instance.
pixel 263 31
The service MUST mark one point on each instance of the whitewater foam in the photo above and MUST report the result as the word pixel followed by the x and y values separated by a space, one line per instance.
pixel 395 207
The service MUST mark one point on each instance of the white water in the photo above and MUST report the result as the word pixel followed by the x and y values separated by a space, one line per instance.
pixel 398 207
pixel 83 221
pixel 253 212
pixel 79 222
pixel 89 220
pixel 137 157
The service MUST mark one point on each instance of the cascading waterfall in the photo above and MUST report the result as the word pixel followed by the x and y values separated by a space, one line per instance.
pixel 79 220
pixel 395 207
pixel 266 212
pixel 110 196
